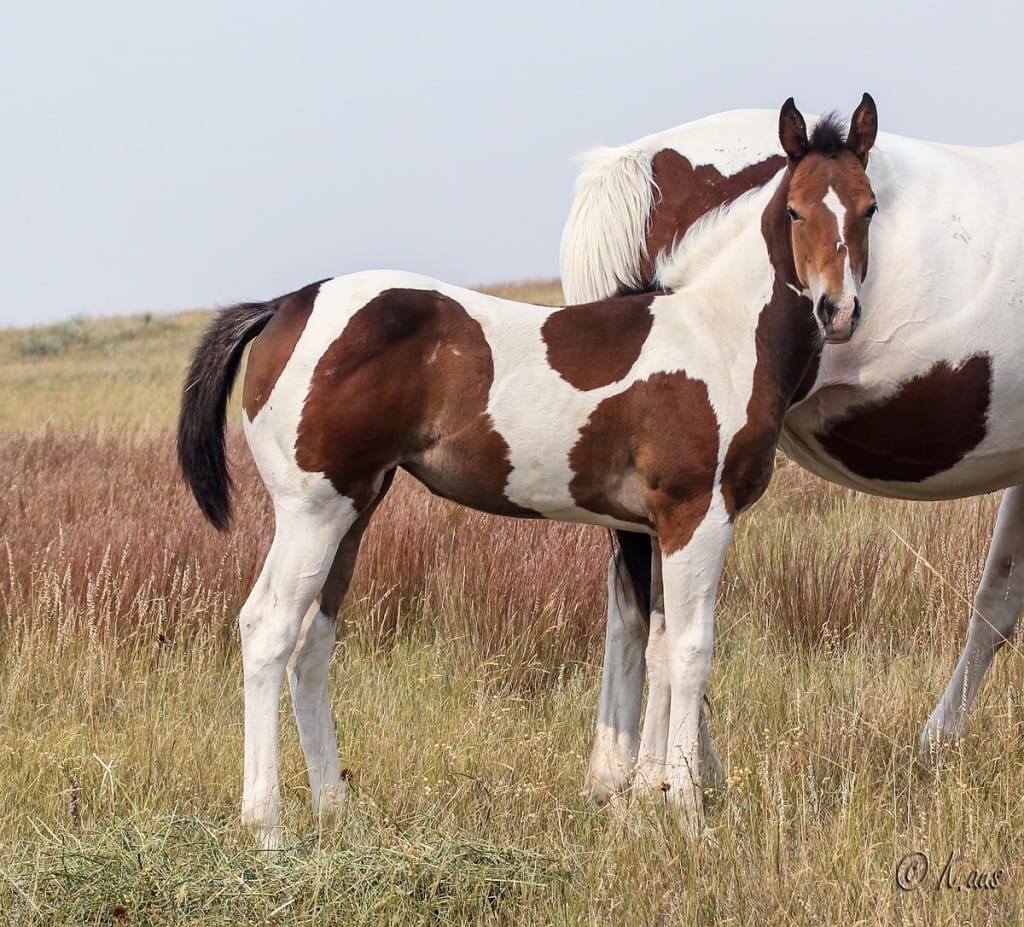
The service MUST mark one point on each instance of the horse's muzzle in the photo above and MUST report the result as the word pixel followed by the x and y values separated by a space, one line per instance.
pixel 838 322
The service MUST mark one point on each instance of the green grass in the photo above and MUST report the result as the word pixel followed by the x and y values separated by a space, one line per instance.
pixel 464 691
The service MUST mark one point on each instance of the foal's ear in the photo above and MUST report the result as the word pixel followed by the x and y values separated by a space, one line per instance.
pixel 863 129
pixel 792 131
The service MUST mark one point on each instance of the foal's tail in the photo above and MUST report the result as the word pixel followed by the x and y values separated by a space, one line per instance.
pixel 204 401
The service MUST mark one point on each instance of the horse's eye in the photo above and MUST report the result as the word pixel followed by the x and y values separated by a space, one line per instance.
pixel 793 214
pixel 871 210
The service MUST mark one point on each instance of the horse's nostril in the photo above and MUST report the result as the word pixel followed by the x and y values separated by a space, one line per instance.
pixel 856 308
pixel 826 310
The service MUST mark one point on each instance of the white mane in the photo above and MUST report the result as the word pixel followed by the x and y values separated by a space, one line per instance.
pixel 605 237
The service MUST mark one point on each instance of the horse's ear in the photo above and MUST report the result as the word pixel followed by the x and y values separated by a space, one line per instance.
pixel 863 129
pixel 792 131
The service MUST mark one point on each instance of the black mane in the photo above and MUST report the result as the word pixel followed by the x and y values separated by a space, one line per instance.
pixel 829 136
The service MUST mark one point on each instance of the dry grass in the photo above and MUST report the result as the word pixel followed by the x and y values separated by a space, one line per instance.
pixel 109 374
pixel 464 693
pixel 102 530
pixel 822 564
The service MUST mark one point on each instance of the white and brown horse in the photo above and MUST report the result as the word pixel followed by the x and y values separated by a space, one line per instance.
pixel 656 413
pixel 926 403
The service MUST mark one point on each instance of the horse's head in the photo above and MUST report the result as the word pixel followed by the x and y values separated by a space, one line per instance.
pixel 830 204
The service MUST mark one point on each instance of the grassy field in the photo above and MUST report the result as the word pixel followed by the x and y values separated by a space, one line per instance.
pixel 465 688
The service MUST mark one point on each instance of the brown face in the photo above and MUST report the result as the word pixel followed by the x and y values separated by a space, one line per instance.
pixel 830 207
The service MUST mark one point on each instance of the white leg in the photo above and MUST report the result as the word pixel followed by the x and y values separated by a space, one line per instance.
pixel 296 568
pixel 309 672
pixel 653 744
pixel 308 675
pixel 622 687
pixel 690 577
pixel 997 606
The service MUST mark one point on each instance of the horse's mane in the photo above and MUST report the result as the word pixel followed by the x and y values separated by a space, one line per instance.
pixel 829 136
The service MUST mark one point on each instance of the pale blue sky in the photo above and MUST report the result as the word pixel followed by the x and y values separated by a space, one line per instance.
pixel 199 153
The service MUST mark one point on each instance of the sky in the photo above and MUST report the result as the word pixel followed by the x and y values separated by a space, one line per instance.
pixel 160 157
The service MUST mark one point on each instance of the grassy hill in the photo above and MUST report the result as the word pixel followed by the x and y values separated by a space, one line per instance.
pixel 464 692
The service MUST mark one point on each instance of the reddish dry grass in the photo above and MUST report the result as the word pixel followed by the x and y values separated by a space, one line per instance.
pixel 100 530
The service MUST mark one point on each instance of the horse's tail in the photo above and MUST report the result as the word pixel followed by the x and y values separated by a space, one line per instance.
pixel 605 238
pixel 204 401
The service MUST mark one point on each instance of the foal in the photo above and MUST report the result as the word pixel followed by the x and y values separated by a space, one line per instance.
pixel 656 413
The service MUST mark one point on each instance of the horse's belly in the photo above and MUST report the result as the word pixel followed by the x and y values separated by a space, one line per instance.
pixel 480 480
pixel 935 436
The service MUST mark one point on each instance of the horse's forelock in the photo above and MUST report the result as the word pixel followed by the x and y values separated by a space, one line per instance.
pixel 829 136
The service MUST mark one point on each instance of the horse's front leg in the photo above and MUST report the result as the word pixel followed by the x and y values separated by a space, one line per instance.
pixel 653 743
pixel 691 565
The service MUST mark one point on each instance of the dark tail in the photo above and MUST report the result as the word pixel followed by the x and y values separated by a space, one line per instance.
pixel 204 402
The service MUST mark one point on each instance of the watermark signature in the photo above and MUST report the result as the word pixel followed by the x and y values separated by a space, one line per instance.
pixel 957 875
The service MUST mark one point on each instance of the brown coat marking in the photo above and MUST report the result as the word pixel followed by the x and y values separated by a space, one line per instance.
pixel 272 349
pixel 392 391
pixel 595 344
pixel 632 465
pixel 926 427
pixel 750 459
pixel 785 322
pixel 683 193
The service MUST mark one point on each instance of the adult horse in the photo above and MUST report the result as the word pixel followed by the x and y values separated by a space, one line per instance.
pixel 654 413
pixel 925 404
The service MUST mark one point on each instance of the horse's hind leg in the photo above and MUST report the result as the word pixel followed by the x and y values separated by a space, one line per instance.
pixel 997 606
pixel 614 752
pixel 305 542
pixel 309 672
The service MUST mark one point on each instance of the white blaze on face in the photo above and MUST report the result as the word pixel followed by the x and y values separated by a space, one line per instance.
pixel 851 286
pixel 821 284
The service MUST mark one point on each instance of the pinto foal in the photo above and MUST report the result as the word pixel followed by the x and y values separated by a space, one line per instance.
pixel 654 413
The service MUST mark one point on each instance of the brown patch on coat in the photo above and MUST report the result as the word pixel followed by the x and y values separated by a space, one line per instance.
pixel 633 465
pixel 750 459
pixel 781 374
pixel 595 344
pixel 273 348
pixel 684 193
pixel 927 426
pixel 778 375
pixel 406 384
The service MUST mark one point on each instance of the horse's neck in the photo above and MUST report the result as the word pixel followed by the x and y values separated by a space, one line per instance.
pixel 737 279
pixel 714 248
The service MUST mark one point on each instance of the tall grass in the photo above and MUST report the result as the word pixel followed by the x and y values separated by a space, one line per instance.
pixel 821 564
pixel 101 533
